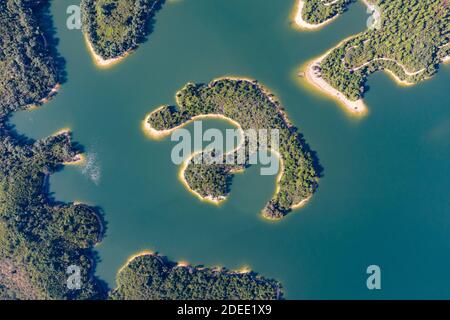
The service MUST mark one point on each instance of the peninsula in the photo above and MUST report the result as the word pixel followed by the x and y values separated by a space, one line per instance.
pixel 148 276
pixel 248 105
pixel 408 41
pixel 39 237
pixel 113 29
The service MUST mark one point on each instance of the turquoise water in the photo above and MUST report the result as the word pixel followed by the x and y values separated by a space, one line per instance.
pixel 384 198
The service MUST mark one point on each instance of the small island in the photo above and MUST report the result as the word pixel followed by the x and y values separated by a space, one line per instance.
pixel 112 28
pixel 248 105
pixel 409 42
pixel 148 276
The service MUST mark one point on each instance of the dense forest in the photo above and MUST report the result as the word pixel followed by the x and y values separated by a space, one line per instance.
pixel 411 42
pixel 115 27
pixel 252 107
pixel 39 238
pixel 151 277
pixel 24 51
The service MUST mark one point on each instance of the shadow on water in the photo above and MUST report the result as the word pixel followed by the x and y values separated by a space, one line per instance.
pixel 150 26
pixel 45 22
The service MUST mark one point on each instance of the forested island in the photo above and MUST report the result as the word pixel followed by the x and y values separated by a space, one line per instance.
pixel 409 42
pixel 114 28
pixel 153 277
pixel 250 106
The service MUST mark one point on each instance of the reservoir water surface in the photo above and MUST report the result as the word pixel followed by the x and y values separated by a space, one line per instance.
pixel 384 197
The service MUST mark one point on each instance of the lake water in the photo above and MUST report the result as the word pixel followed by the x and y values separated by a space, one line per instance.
pixel 384 198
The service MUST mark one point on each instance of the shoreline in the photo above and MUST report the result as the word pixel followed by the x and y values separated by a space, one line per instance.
pixel 314 79
pixel 99 219
pixel 301 24
pixel 182 264
pixel 214 200
pixel 160 134
pixel 302 203
pixel 408 73
pixel 294 206
pixel 133 257
pixel 357 107
pixel 98 60
pixel 52 93
pixel 45 100
pixel 400 82
pixel 78 160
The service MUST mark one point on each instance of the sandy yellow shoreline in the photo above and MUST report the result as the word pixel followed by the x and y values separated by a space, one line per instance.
pixel 295 206
pixel 357 107
pixel 45 100
pixel 54 91
pixel 160 134
pixel 213 200
pixel 400 82
pixel 406 83
pixel 79 160
pixel 60 132
pixel 98 60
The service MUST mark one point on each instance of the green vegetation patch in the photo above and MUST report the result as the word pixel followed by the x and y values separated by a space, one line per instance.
pixel 39 238
pixel 410 41
pixel 151 277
